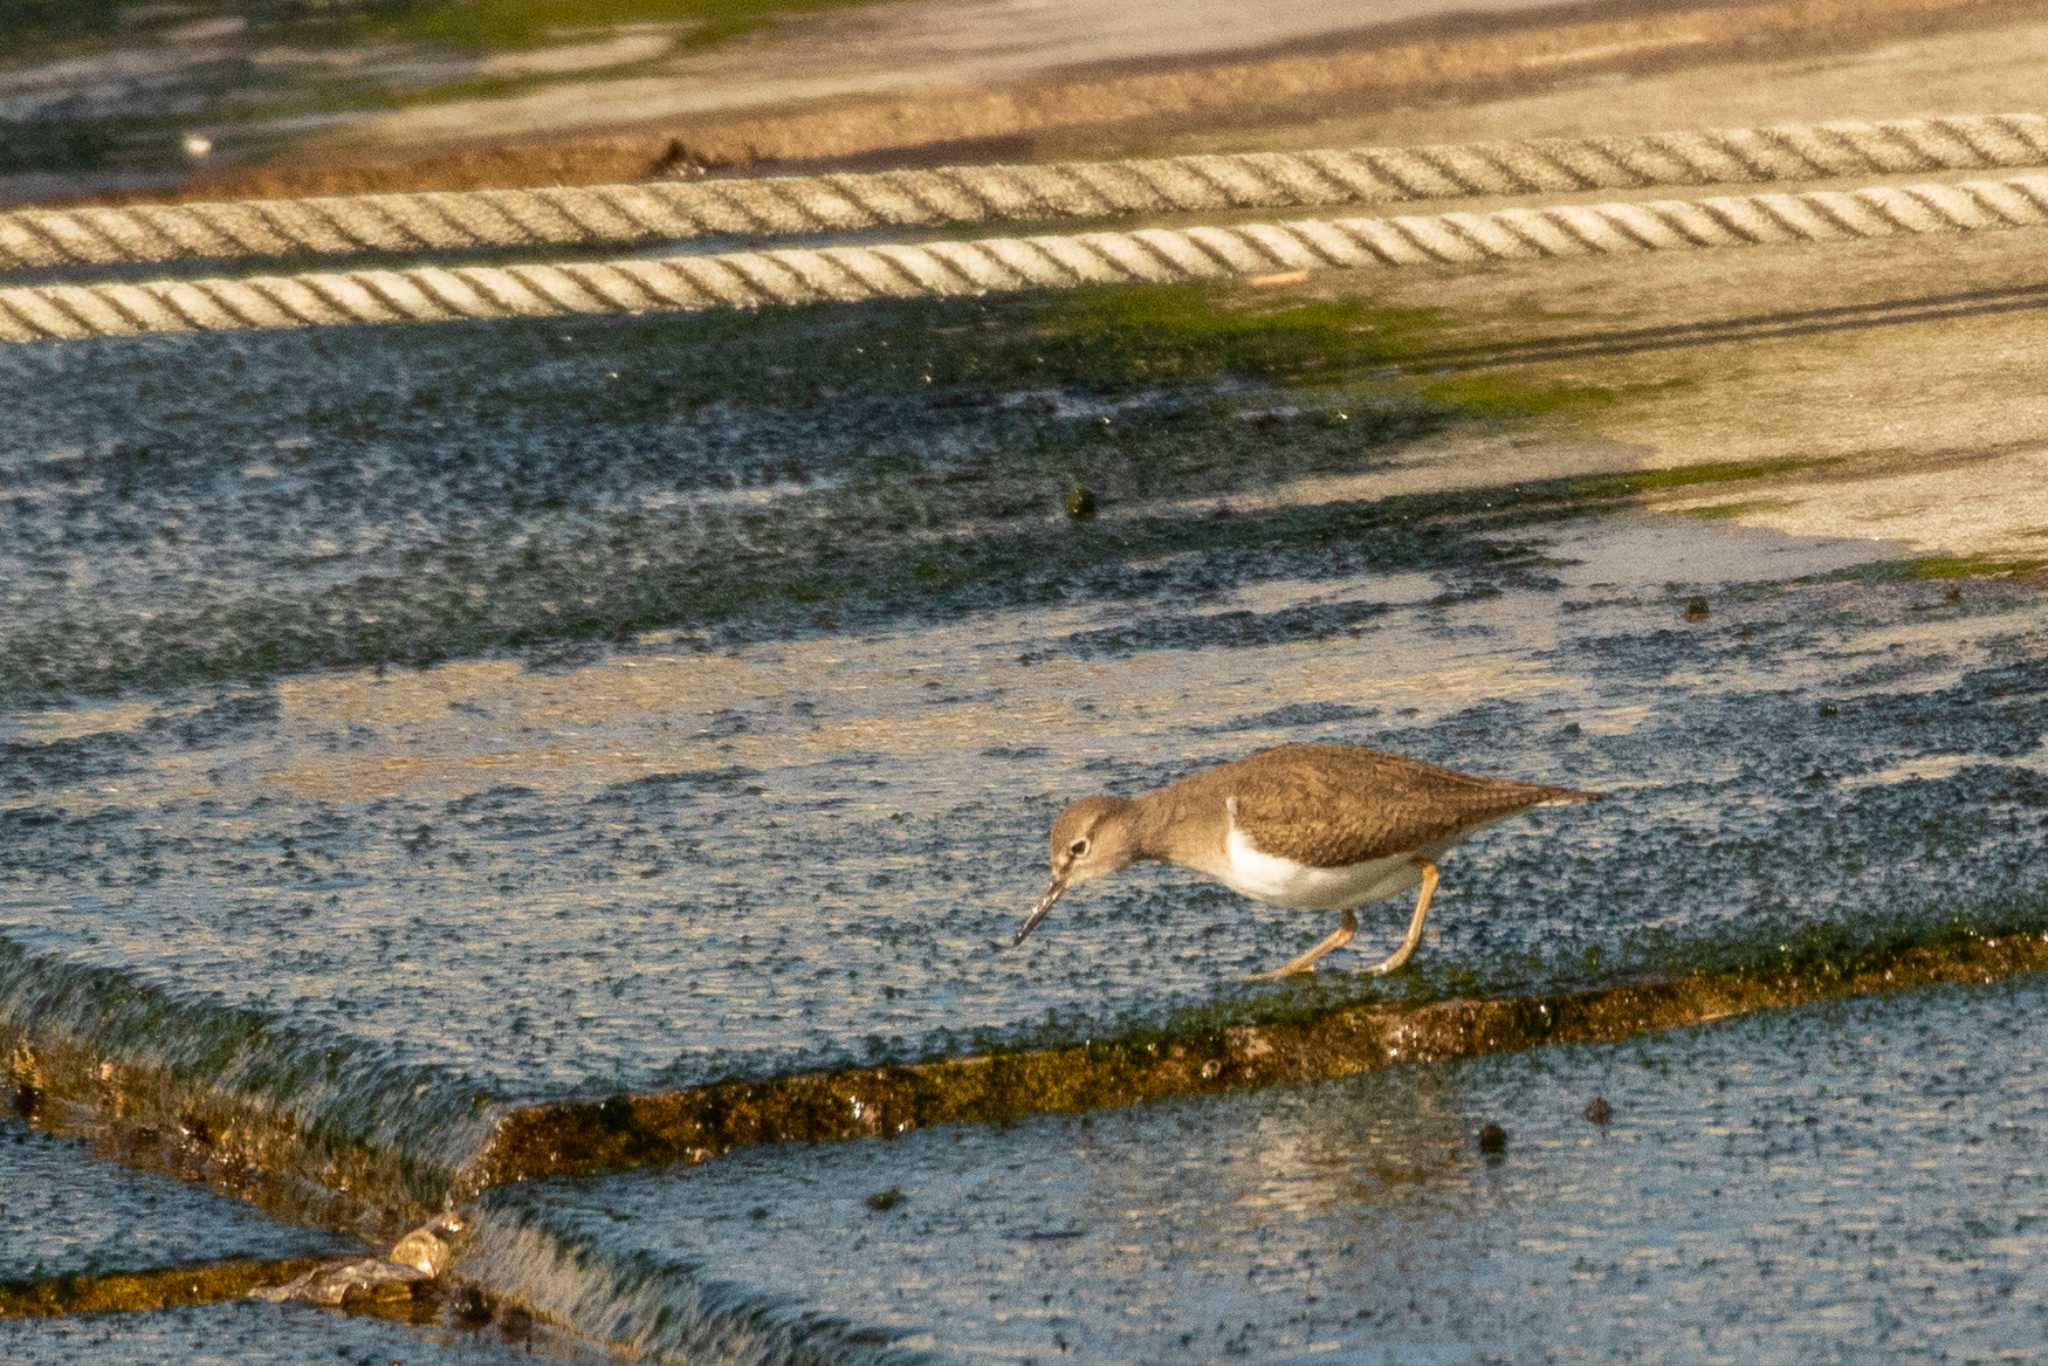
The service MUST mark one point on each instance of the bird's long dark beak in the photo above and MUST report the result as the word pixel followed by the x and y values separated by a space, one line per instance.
pixel 1039 908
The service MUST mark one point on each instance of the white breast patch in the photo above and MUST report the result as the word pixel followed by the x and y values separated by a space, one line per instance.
pixel 1283 882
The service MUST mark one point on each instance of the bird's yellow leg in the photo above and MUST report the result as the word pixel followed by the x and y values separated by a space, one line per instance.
pixel 1339 937
pixel 1408 946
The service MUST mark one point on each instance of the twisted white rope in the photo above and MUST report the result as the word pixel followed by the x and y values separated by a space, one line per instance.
pixel 752 279
pixel 672 211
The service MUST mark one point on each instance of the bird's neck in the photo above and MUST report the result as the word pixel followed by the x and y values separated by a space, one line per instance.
pixel 1158 825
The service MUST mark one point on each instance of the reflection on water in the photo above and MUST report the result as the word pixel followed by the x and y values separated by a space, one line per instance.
pixel 1823 1184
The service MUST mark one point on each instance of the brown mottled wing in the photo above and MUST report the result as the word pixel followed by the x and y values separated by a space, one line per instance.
pixel 1331 805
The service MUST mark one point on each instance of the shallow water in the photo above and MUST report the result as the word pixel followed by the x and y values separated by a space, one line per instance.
pixel 437 699
pixel 506 713
pixel 66 1212
pixel 1840 1183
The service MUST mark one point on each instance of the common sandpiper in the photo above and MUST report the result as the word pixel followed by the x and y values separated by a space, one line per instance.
pixel 1318 827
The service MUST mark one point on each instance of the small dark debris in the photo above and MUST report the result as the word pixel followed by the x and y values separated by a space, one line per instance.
pixel 1081 503
pixel 758 1213
pixel 1599 1111
pixel 1954 595
pixel 679 161
pixel 616 1113
pixel 1696 609
pixel 1829 709
pixel 1493 1140
pixel 886 1200
pixel 470 1306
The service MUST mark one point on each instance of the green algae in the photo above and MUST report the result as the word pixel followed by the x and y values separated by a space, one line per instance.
pixel 1969 566
pixel 1628 483
pixel 1143 334
pixel 1735 510
pixel 1505 396
pixel 1945 569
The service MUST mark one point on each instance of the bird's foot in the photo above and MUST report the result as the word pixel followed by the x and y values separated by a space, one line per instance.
pixel 1281 974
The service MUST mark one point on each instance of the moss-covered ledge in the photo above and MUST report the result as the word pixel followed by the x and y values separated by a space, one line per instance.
pixel 699 1123
pixel 159 1288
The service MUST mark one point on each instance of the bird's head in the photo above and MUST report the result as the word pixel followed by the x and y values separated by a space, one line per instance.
pixel 1092 836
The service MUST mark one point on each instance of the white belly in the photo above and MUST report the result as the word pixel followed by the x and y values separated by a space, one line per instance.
pixel 1283 882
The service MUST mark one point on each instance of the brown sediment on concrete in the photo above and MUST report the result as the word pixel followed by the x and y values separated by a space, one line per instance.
pixel 161 1288
pixel 704 1122
pixel 1134 103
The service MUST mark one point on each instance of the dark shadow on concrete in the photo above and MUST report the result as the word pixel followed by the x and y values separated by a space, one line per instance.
pixel 1721 331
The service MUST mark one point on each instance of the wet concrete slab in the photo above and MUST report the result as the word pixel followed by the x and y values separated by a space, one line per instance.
pixel 461 718
pixel 624 896
pixel 1858 1181
pixel 567 712
pixel 66 1212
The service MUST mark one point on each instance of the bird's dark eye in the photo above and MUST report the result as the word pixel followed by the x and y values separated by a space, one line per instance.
pixel 1078 848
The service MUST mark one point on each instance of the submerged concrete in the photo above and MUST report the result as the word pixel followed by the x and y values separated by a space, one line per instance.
pixel 1855 1181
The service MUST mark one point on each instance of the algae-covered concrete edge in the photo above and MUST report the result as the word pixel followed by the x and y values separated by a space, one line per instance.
pixel 147 1117
pixel 169 1287
pixel 701 1123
